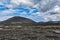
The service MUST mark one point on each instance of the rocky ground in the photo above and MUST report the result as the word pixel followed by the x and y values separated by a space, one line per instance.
pixel 29 34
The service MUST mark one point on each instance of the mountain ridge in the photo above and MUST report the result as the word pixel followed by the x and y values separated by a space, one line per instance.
pixel 50 23
pixel 17 20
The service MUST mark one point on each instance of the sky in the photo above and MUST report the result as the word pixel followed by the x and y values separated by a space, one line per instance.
pixel 37 10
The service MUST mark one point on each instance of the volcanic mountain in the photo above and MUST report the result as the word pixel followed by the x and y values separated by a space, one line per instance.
pixel 17 20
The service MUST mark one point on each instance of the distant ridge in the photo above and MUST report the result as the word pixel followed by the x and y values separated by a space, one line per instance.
pixel 17 20
pixel 50 23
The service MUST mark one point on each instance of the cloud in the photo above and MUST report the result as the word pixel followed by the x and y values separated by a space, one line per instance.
pixel 6 12
pixel 48 10
pixel 50 15
pixel 56 9
pixel 2 18
pixel 17 2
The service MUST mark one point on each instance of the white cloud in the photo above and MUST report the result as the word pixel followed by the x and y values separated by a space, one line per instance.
pixel 6 12
pixel 56 8
pixel 17 2
pixel 1 3
pixel 24 13
pixel 45 5
pixel 2 18
pixel 10 6
pixel 39 14
pixel 47 16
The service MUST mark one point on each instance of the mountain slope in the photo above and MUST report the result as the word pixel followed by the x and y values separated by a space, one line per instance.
pixel 17 20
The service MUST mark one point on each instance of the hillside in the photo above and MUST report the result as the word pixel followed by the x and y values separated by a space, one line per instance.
pixel 17 20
